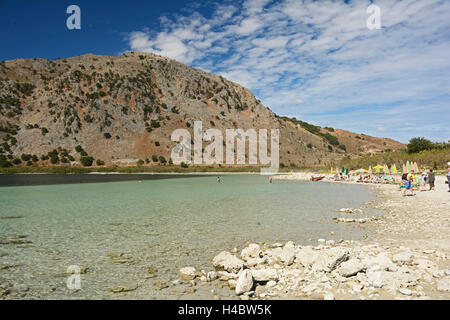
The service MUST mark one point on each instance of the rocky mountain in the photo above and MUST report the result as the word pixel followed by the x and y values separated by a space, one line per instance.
pixel 121 109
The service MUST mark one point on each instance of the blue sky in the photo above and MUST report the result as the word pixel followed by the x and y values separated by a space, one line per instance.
pixel 314 60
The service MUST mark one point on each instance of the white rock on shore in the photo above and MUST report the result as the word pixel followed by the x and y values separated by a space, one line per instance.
pixel 351 267
pixel 244 283
pixel 264 274
pixel 444 284
pixel 388 265
pixel 228 262
pixel 188 273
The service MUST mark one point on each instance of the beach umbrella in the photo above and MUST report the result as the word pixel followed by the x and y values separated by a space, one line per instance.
pixel 361 170
pixel 416 167
pixel 393 169
pixel 407 167
pixel 331 170
pixel 346 171
pixel 343 170
pixel 370 170
pixel 378 168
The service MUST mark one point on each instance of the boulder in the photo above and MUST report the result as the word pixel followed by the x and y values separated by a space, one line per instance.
pixel 403 258
pixel 306 256
pixel 232 283
pixel 350 268
pixel 244 282
pixel 381 261
pixel 330 259
pixel 374 278
pixel 328 296
pixel 404 291
pixel 426 265
pixel 284 255
pixel 264 274
pixel 444 284
pixel 260 291
pixel 288 255
pixel 392 281
pixel 251 262
pixel 225 276
pixel 252 251
pixel 188 273
pixel 228 262
pixel 211 276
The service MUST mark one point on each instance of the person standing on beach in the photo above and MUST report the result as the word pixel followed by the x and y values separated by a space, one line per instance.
pixel 408 184
pixel 424 180
pixel 448 179
pixel 431 179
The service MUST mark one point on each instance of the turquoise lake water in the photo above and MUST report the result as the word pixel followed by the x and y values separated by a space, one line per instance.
pixel 165 224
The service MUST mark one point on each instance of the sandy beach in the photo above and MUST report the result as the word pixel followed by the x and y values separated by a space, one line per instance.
pixel 406 255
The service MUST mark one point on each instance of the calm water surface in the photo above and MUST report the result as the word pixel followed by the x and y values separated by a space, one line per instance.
pixel 164 224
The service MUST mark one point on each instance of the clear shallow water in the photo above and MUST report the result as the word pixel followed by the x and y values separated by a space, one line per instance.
pixel 165 224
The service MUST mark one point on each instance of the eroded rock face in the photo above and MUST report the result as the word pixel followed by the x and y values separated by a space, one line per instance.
pixel 228 262
pixel 244 282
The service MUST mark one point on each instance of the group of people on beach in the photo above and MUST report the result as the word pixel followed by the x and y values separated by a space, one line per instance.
pixel 427 177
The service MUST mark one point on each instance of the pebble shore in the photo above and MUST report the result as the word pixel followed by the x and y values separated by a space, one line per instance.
pixel 406 256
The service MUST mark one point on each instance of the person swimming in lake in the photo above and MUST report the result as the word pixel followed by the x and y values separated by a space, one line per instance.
pixel 218 179
pixel 270 179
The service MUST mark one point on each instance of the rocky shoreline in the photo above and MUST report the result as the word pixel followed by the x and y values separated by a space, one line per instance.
pixel 405 258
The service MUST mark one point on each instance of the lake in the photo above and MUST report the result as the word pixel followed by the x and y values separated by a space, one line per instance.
pixel 119 229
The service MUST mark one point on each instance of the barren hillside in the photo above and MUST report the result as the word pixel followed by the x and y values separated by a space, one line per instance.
pixel 122 109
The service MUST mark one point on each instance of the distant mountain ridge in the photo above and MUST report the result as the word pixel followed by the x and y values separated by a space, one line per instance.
pixel 121 109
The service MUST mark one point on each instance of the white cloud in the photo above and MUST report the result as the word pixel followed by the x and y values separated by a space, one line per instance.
pixel 322 54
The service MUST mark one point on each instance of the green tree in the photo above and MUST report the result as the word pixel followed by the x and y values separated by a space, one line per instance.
pixel 419 144
pixel 78 148
pixel 162 159
pixel 86 161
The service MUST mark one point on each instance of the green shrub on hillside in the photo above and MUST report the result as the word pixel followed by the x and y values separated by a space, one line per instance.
pixel 86 161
